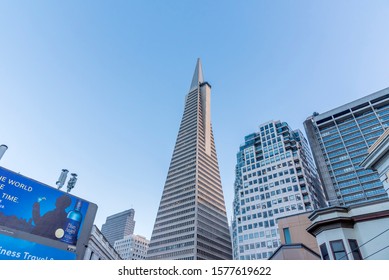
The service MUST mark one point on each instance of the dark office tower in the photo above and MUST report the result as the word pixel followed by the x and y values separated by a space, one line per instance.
pixel 118 226
pixel 191 222
pixel 340 139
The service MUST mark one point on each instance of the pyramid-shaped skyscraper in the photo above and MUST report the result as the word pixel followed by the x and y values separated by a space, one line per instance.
pixel 191 222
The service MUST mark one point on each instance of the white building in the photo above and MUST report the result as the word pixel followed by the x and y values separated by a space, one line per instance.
pixel 132 247
pixel 360 231
pixel 275 177
pixel 98 247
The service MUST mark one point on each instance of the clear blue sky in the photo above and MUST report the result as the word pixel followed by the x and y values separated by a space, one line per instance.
pixel 98 87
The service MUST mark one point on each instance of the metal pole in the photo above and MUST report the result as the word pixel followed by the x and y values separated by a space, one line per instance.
pixel 3 149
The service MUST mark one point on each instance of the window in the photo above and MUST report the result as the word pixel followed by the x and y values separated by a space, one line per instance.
pixel 324 252
pixel 355 249
pixel 338 250
pixel 288 239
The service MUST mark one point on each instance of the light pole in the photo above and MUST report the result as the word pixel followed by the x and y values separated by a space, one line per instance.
pixel 3 149
pixel 72 182
pixel 62 178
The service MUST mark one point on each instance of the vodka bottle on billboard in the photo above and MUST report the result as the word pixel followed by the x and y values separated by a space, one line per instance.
pixel 72 225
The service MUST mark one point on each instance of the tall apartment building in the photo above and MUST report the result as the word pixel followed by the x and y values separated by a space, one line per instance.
pixel 340 139
pixel 132 247
pixel 191 222
pixel 275 177
pixel 119 225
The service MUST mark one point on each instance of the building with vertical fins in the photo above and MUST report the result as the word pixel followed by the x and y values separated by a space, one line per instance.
pixel 275 177
pixel 118 226
pixel 191 222
pixel 340 139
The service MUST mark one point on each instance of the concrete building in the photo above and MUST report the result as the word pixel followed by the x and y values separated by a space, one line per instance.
pixel 98 247
pixel 296 242
pixel 340 139
pixel 132 247
pixel 275 177
pixel 293 229
pixel 356 232
pixel 119 225
pixel 191 222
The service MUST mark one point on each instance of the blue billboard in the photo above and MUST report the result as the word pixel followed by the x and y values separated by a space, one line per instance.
pixel 40 214
pixel 12 248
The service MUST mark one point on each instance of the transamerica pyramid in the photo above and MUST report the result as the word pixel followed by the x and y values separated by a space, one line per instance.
pixel 191 222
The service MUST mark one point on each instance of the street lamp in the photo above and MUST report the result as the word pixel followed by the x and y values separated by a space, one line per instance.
pixel 62 178
pixel 3 149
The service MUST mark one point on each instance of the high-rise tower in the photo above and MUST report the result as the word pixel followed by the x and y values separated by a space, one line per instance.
pixel 340 139
pixel 191 222
pixel 275 177
pixel 118 226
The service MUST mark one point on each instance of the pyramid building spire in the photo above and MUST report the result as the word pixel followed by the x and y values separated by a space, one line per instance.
pixel 197 76
pixel 191 222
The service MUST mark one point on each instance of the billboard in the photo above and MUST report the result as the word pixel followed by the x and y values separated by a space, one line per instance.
pixel 41 222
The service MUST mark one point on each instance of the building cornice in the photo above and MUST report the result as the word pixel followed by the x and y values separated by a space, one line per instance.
pixel 338 222
pixel 343 222
pixel 327 210
pixel 351 105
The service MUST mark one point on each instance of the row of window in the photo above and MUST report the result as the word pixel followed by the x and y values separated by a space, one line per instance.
pixel 258 234
pixel 270 213
pixel 265 224
pixel 172 255
pixel 263 244
pixel 274 183
pixel 339 252
pixel 268 169
pixel 270 160
pixel 268 195
pixel 257 256
pixel 274 174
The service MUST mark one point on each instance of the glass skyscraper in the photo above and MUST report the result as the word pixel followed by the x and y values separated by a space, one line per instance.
pixel 340 139
pixel 275 177
pixel 191 222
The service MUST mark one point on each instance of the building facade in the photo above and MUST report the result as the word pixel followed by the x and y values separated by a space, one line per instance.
pixel 132 247
pixel 296 242
pixel 378 159
pixel 293 229
pixel 340 139
pixel 98 247
pixel 356 232
pixel 119 225
pixel 191 222
pixel 275 177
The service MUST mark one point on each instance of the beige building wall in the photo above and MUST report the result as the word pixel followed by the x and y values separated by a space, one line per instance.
pixel 294 253
pixel 297 225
